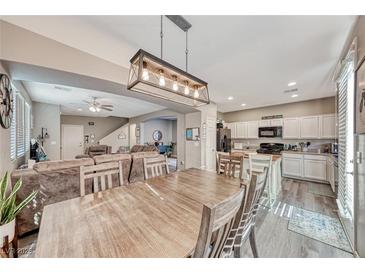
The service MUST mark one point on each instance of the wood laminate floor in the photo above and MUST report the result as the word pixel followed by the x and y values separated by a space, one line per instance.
pixel 274 240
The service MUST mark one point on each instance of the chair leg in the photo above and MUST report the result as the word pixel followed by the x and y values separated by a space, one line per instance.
pixel 253 243
pixel 237 251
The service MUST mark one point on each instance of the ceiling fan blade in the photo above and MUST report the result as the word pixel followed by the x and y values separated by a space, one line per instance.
pixel 105 108
pixel 108 106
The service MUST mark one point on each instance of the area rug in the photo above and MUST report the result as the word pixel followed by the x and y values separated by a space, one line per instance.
pixel 321 189
pixel 319 227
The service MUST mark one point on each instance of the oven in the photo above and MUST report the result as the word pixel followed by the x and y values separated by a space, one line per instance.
pixel 270 132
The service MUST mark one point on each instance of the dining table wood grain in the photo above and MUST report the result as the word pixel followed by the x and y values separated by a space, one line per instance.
pixel 155 218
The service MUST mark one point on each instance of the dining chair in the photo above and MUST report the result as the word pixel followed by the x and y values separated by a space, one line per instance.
pixel 104 172
pixel 257 162
pixel 154 166
pixel 216 224
pixel 229 164
pixel 244 224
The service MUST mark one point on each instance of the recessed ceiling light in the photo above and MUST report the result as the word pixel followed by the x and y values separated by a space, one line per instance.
pixel 79 109
pixel 292 84
pixel 243 104
pixel 294 95
pixel 230 98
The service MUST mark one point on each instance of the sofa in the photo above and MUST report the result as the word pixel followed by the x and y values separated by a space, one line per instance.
pixel 55 181
pixel 143 148
pixel 137 171
pixel 95 150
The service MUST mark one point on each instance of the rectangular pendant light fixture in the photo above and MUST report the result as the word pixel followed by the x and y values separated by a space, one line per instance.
pixel 151 75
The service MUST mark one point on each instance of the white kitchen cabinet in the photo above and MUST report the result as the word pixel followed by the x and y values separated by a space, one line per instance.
pixel 232 127
pixel 315 167
pixel 328 126
pixel 271 123
pixel 241 130
pixel 291 128
pixel 264 123
pixel 331 173
pixel 276 122
pixel 253 130
pixel 292 165
pixel 309 127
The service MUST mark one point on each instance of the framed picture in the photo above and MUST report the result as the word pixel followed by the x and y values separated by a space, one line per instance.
pixel 360 98
pixel 193 134
pixel 137 131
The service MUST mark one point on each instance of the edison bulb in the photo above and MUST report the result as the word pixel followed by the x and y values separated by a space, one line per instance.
pixel 161 79
pixel 175 87
pixel 145 74
pixel 186 90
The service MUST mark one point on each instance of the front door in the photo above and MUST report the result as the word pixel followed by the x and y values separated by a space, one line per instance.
pixel 72 141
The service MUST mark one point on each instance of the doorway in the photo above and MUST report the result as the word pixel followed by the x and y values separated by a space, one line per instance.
pixel 72 141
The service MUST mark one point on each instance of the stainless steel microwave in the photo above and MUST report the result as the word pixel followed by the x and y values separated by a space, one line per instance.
pixel 270 132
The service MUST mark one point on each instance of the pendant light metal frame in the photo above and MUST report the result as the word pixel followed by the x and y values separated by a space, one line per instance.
pixel 138 84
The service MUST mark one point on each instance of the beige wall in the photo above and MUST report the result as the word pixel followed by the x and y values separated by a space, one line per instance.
pixel 305 108
pixel 180 138
pixel 48 116
pixel 114 140
pixel 165 126
pixel 101 128
pixel 193 148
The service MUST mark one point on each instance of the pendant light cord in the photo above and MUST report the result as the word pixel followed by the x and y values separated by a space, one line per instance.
pixel 186 51
pixel 161 35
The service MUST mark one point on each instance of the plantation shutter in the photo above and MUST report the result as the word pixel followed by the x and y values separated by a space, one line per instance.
pixel 27 118
pixel 13 131
pixel 20 148
pixel 345 86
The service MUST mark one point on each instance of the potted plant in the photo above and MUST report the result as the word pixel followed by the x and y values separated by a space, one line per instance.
pixel 9 209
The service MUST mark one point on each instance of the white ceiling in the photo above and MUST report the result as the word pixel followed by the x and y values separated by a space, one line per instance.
pixel 251 58
pixel 71 100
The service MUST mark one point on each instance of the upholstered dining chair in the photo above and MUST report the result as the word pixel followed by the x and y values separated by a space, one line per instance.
pixel 104 172
pixel 154 166
pixel 244 224
pixel 216 223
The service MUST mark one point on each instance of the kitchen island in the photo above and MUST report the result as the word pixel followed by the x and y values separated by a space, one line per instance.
pixel 273 186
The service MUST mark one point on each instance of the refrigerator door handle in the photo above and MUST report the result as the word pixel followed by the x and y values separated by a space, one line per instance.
pixel 358 157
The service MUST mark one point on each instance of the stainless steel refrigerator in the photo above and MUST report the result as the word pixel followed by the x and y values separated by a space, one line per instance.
pixel 359 161
pixel 359 194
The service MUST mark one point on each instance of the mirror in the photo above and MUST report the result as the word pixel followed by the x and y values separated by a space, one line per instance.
pixel 157 135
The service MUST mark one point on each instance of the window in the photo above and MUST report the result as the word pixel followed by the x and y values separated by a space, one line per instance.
pixel 27 122
pixel 13 131
pixel 20 128
pixel 20 148
pixel 346 89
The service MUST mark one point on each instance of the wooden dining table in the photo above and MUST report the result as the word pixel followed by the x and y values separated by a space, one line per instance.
pixel 159 217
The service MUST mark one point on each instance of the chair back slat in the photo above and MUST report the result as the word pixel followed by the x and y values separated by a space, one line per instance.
pixel 229 163
pixel 154 166
pixel 100 173
pixel 216 224
pixel 246 216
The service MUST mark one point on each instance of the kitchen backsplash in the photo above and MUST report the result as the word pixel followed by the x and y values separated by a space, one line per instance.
pixel 255 143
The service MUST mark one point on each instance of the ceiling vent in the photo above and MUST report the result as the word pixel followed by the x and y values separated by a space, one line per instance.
pixel 291 90
pixel 62 88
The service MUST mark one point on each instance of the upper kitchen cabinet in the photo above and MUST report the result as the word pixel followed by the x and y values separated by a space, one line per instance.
pixel 291 128
pixel 264 123
pixel 310 127
pixel 328 126
pixel 241 130
pixel 271 123
pixel 253 130
pixel 232 127
pixel 276 122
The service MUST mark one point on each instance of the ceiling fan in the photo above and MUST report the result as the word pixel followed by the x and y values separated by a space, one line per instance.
pixel 95 106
